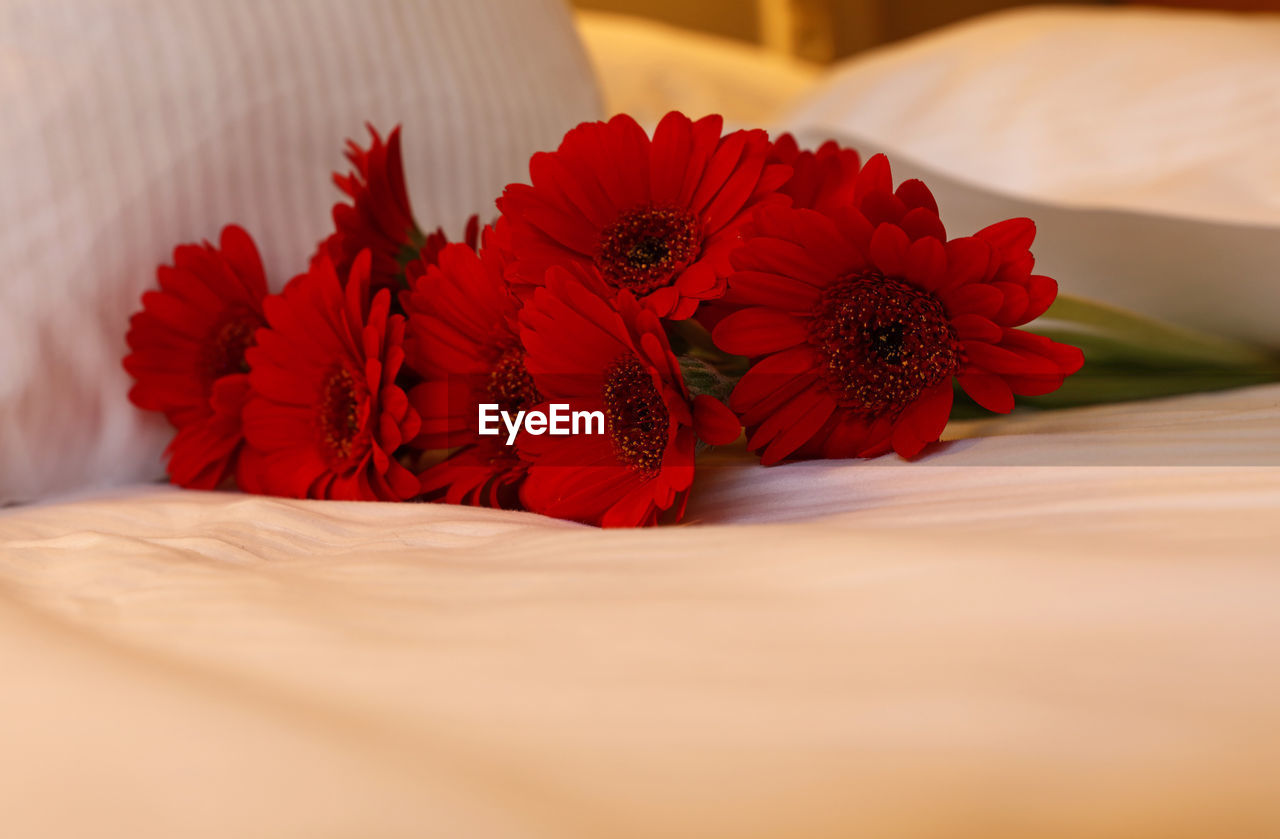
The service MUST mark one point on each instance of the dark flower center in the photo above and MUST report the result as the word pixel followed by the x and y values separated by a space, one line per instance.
pixel 646 247
pixel 885 342
pixel 223 351
pixel 510 384
pixel 635 415
pixel 341 402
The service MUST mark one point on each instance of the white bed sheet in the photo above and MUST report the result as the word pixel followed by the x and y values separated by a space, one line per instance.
pixel 876 649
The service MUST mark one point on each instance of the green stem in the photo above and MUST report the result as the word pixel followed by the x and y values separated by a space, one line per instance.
pixel 690 339
pixel 701 377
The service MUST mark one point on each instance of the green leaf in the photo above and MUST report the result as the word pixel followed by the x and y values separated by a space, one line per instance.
pixel 1119 332
pixel 1130 356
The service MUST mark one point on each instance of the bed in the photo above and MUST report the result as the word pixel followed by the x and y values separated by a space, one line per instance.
pixel 1055 624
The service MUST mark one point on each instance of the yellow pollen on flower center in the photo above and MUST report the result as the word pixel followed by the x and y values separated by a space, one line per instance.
pixel 647 247
pixel 884 343
pixel 510 384
pixel 635 415
pixel 340 403
pixel 223 351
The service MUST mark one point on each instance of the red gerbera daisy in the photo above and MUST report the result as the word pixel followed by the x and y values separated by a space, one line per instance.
pixel 612 357
pixel 462 339
pixel 188 352
pixel 326 418
pixel 379 217
pixel 860 318
pixel 821 180
pixel 655 218
pixel 429 253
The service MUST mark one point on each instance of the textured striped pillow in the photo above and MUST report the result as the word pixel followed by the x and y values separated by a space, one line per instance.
pixel 132 125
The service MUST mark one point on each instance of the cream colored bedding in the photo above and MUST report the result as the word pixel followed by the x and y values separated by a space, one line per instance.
pixel 1053 625
pixel 957 647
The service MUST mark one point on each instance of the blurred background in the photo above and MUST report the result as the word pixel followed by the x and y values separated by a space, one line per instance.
pixel 827 30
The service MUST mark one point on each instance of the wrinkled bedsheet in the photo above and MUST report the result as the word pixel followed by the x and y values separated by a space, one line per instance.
pixel 1057 624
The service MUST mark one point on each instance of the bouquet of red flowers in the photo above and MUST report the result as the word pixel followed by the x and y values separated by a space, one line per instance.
pixel 640 298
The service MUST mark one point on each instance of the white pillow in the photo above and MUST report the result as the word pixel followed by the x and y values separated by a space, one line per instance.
pixel 1145 142
pixel 1158 110
pixel 130 126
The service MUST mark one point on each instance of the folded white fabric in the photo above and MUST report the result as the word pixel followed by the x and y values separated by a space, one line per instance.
pixel 133 125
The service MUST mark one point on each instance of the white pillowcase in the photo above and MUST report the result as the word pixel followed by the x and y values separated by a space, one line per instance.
pixel 1163 111
pixel 133 125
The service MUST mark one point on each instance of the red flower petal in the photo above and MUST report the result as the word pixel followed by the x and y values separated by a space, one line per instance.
pixel 783 433
pixel 757 331
pixel 926 263
pixel 714 422
pixel 988 390
pixel 922 423
pixel 889 249
pixel 1011 235
pixel 914 194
